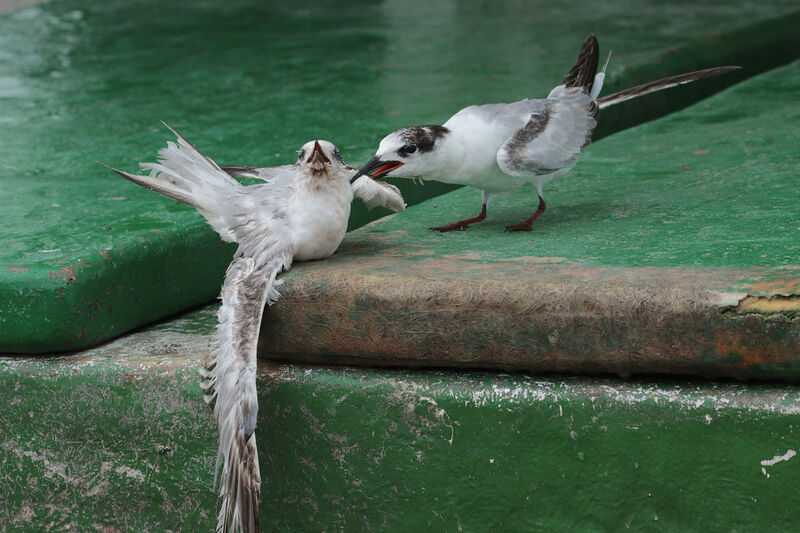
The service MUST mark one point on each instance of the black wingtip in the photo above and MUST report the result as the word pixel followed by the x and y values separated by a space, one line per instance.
pixel 585 69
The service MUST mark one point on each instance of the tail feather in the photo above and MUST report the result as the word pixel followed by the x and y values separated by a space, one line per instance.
pixel 658 85
pixel 184 174
pixel 161 186
pixel 230 383
pixel 240 489
pixel 583 73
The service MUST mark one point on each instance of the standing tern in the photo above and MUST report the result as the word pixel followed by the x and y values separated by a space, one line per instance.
pixel 300 214
pixel 502 147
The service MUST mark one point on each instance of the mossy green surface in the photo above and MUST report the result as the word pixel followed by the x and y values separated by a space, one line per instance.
pixel 85 255
pixel 104 448
pixel 88 445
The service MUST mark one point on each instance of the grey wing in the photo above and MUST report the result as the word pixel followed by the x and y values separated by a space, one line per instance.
pixel 553 137
pixel 230 381
pixel 378 193
pixel 256 217
pixel 261 173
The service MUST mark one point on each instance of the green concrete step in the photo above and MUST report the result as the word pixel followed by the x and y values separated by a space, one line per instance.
pixel 85 256
pixel 672 247
pixel 118 438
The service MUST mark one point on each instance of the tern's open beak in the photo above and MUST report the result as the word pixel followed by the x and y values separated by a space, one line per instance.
pixel 317 155
pixel 376 168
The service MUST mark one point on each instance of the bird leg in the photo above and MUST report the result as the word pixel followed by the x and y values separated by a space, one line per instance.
pixel 526 226
pixel 461 225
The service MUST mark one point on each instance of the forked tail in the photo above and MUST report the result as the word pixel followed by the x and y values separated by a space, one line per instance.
pixel 658 85
pixel 583 73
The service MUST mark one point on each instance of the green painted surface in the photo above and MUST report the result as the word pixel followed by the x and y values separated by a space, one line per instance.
pixel 641 263
pixel 384 451
pixel 118 438
pixel 713 186
pixel 85 256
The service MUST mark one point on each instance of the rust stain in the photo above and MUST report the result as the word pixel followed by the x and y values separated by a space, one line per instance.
pixel 424 251
pixel 426 316
pixel 128 377
pixel 67 274
pixel 535 259
pixel 105 255
pixel 18 270
pixel 752 352
pixel 780 286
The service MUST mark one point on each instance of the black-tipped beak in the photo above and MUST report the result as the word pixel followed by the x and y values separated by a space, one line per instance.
pixel 317 155
pixel 375 168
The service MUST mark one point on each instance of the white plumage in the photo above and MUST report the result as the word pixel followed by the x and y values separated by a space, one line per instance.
pixel 299 213
pixel 502 147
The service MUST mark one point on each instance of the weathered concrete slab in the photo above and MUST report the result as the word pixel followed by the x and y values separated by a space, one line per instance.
pixel 85 256
pixel 118 439
pixel 673 247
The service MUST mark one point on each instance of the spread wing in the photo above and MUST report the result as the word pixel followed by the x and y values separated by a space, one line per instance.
pixel 257 218
pixel 553 137
pixel 378 193
pixel 230 381
pixel 254 217
pixel 261 173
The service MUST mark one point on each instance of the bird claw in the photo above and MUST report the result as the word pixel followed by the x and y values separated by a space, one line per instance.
pixel 525 226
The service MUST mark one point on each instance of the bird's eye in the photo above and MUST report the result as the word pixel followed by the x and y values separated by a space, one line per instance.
pixel 410 148
pixel 301 154
pixel 337 155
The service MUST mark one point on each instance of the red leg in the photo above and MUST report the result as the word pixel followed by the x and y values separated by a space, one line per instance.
pixel 526 226
pixel 461 225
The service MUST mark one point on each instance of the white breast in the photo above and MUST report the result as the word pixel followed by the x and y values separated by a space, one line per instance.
pixel 477 132
pixel 318 218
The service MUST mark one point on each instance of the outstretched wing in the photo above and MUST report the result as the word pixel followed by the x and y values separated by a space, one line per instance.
pixel 261 173
pixel 186 175
pixel 553 137
pixel 378 193
pixel 230 381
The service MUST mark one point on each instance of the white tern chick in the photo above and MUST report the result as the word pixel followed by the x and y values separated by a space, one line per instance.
pixel 301 214
pixel 502 147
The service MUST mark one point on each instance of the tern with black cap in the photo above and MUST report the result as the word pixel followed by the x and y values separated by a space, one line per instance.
pixel 502 147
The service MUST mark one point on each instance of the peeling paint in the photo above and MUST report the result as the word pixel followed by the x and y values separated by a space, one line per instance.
pixel 771 304
pixel 779 458
pixel 67 274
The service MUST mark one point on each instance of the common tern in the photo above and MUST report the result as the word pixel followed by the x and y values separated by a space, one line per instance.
pixel 299 214
pixel 502 147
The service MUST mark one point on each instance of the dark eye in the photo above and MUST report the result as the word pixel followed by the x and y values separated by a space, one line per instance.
pixel 337 155
pixel 410 148
pixel 301 154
